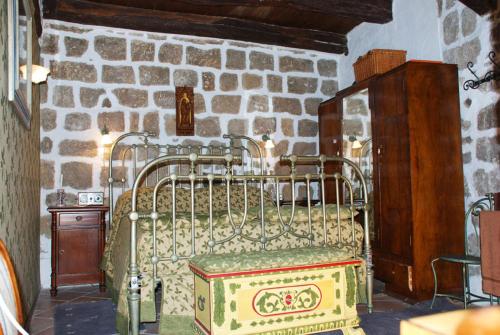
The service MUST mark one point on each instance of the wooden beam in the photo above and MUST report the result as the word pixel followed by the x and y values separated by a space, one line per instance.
pixel 480 6
pixel 375 11
pixel 88 12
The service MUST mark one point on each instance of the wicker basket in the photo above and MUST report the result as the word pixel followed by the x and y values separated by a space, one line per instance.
pixel 377 61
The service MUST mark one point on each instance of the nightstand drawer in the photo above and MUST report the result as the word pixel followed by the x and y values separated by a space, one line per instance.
pixel 79 218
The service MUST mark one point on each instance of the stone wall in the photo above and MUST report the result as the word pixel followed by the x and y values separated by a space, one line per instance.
pixel 126 80
pixel 19 180
pixel 468 37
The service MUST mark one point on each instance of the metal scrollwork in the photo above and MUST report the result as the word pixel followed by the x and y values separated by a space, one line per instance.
pixel 489 76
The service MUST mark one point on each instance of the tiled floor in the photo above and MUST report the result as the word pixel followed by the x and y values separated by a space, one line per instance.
pixel 42 322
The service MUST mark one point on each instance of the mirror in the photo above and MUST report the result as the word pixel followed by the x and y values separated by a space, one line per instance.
pixel 20 53
pixel 357 141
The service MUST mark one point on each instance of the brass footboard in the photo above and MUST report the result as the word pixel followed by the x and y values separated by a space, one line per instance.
pixel 232 166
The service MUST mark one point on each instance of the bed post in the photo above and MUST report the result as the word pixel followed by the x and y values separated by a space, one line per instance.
pixel 368 248
pixel 110 169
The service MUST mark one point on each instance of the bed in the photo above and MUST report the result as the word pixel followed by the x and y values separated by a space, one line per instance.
pixel 145 250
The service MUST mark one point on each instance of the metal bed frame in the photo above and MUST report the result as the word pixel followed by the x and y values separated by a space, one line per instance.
pixel 191 166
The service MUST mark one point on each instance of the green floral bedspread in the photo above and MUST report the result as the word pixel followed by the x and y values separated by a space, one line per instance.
pixel 176 279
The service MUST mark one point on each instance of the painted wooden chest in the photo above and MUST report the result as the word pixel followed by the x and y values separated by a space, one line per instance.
pixel 295 291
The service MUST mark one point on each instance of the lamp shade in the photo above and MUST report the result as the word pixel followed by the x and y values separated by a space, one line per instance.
pixel 356 144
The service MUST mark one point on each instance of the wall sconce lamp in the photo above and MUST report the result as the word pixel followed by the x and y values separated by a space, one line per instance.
pixel 38 73
pixel 269 144
pixel 105 137
pixel 357 144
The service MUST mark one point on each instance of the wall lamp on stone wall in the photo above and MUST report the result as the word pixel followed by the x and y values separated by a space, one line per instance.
pixel 105 137
pixel 268 141
pixel 39 73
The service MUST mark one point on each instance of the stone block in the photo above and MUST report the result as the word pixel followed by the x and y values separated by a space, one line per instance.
pixel 292 64
pixel 251 81
pixel 469 21
pixel 237 127
pixel 301 85
pixel 208 79
pixel 287 127
pixel 106 103
pixel 327 67
pixel 352 127
pixel 131 97
pixel 461 55
pixel 73 71
pixel 164 99
pixel 43 92
pixel 170 53
pixel 169 121
pixel 134 121
pixel 329 87
pixel 488 149
pixel 304 148
pixel 118 74
pixel 311 105
pixel 450 3
pixel 48 119
pixel 258 103
pixel 63 97
pixel 489 117
pixel 47 174
pixel 71 29
pixel 77 121
pixel 154 75
pixel 274 83
pixel 114 121
pixel 206 58
pixel 111 48
pixel 263 125
pixel 356 107
pixel 450 28
pixel 75 47
pixel 281 148
pixel 208 127
pixel 261 61
pixel 235 59
pixel 287 105
pixel 77 175
pixel 185 78
pixel 308 128
pixel 226 104
pixel 50 44
pixel 142 51
pixel 199 103
pixel 78 148
pixel 119 173
pixel 228 82
pixel 46 145
pixel 151 123
pixel 90 96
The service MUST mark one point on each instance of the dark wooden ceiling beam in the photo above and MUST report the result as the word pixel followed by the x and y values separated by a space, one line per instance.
pixel 375 11
pixel 480 6
pixel 82 11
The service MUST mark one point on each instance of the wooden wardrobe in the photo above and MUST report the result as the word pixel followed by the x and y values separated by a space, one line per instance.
pixel 418 186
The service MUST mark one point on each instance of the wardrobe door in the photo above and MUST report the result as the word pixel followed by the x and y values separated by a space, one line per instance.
pixel 392 169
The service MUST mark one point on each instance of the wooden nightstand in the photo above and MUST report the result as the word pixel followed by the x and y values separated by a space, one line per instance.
pixel 78 236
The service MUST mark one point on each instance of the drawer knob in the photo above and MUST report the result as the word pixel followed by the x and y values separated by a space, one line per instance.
pixel 61 252
pixel 79 218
